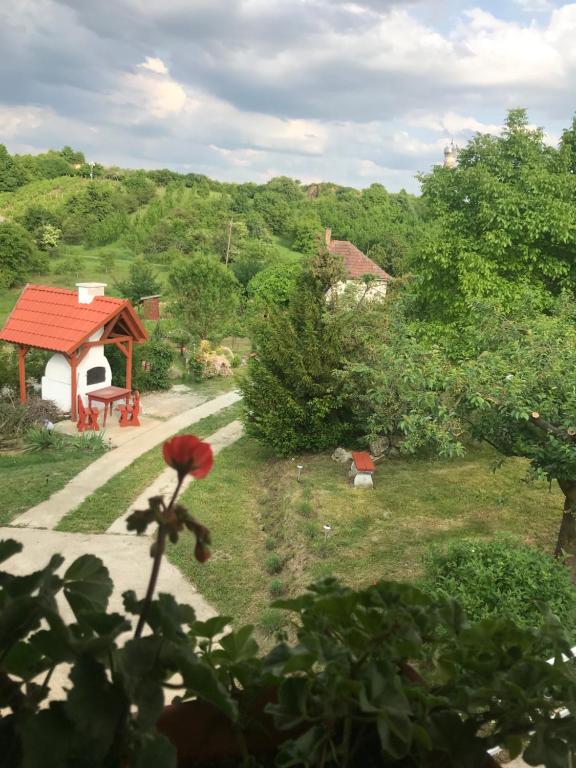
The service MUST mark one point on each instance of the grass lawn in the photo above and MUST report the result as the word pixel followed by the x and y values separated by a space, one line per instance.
pixel 27 479
pixel 101 508
pixel 256 509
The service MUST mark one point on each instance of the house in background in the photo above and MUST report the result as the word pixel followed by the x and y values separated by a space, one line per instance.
pixel 360 270
pixel 75 326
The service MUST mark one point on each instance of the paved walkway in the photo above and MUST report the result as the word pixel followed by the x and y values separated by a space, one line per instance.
pixel 126 556
pixel 48 513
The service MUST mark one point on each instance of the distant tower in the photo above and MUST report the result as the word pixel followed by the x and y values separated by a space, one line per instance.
pixel 450 155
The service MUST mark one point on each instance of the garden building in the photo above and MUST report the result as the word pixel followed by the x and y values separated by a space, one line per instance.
pixel 357 268
pixel 75 326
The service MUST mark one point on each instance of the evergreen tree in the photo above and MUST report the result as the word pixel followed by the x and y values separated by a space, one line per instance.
pixel 141 281
pixel 293 396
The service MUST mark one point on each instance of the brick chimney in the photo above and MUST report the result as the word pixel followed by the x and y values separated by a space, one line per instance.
pixel 88 291
pixel 328 236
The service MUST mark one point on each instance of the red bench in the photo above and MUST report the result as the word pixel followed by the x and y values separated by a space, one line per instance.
pixel 129 412
pixel 87 417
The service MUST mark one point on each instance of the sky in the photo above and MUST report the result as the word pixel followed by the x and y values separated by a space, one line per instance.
pixel 245 90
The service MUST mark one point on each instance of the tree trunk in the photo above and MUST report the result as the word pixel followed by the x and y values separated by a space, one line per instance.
pixel 566 543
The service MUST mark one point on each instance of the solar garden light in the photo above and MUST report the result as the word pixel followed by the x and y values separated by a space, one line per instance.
pixel 327 529
pixel 299 467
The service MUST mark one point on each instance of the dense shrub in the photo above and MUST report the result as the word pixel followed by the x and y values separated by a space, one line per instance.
pixel 42 439
pixel 273 563
pixel 502 578
pixel 18 255
pixel 277 588
pixel 272 621
pixel 16 419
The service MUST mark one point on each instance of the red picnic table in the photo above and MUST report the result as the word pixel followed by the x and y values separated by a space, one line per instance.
pixel 108 395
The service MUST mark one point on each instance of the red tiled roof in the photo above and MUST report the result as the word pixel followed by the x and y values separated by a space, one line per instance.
pixel 53 319
pixel 363 461
pixel 356 263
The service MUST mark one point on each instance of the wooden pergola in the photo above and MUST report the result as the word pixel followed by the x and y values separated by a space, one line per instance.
pixel 54 320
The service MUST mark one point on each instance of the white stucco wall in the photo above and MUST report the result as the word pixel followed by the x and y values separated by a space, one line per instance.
pixel 57 384
pixel 376 291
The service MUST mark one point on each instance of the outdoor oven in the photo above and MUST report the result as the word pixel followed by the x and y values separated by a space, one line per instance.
pixel 93 372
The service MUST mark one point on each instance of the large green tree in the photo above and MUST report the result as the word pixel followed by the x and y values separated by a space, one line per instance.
pixel 141 281
pixel 503 219
pixel 206 296
pixel 514 391
pixel 294 394
pixel 11 176
pixel 18 255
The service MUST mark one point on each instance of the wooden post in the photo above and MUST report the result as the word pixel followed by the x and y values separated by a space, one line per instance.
pixel 129 365
pixel 22 372
pixel 74 387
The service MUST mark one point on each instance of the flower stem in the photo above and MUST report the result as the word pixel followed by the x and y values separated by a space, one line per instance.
pixel 158 553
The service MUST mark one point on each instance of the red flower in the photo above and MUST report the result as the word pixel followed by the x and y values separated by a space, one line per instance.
pixel 188 455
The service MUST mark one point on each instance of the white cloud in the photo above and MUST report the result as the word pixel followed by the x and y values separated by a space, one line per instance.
pixel 15 120
pixel 154 65
pixel 158 97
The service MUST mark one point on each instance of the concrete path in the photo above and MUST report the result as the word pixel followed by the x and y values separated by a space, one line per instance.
pixel 165 482
pixel 48 513
pixel 126 557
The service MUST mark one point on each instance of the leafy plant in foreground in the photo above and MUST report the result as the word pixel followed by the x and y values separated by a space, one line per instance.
pixel 384 676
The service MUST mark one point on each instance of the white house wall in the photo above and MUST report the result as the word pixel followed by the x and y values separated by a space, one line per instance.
pixel 376 291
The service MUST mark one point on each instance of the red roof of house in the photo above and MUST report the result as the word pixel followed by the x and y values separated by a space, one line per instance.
pixel 53 319
pixel 363 461
pixel 356 263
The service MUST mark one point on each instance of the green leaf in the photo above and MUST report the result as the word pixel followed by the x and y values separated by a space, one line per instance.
pixel 8 548
pixel 239 645
pixel 94 705
pixel 141 671
pixel 210 628
pixel 87 584
pixel 514 745
pixel 155 751
pixel 166 617
pixel 202 681
pixel 46 739
pixel 24 661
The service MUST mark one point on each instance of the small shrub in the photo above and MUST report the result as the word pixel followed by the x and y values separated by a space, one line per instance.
pixel 91 442
pixel 41 439
pixel 311 531
pixel 305 509
pixel 274 563
pixel 236 360
pixel 277 588
pixel 17 418
pixel 270 543
pixel 272 621
pixel 502 578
